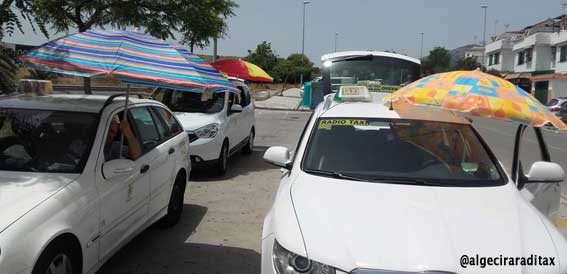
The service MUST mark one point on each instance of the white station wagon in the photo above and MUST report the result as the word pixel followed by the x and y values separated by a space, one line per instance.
pixel 71 192
pixel 372 190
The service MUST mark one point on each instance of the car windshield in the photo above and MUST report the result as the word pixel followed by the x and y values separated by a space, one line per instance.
pixel 184 101
pixel 394 150
pixel 553 102
pixel 45 140
pixel 377 73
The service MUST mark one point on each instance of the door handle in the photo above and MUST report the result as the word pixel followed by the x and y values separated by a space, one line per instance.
pixel 144 169
pixel 171 150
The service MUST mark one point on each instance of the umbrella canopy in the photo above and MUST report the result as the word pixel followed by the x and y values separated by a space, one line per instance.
pixel 242 69
pixel 480 94
pixel 131 57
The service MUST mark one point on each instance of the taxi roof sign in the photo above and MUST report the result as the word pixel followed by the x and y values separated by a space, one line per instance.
pixel 354 94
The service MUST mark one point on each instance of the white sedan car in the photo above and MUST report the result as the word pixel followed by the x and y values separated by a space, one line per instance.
pixel 377 191
pixel 218 124
pixel 71 192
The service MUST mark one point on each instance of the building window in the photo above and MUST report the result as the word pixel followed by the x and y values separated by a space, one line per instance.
pixel 529 55
pixel 553 55
pixel 496 58
pixel 563 54
pixel 521 56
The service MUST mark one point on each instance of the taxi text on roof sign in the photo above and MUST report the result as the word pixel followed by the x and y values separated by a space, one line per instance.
pixel 354 94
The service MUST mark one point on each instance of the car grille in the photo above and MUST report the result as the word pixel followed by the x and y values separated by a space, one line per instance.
pixel 192 137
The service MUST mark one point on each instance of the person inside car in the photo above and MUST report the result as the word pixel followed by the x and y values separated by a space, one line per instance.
pixel 113 148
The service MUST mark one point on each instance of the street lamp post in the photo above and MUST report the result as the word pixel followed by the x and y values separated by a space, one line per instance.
pixel 336 40
pixel 421 47
pixel 485 7
pixel 305 2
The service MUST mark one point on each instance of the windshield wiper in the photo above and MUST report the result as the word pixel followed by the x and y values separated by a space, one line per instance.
pixel 346 176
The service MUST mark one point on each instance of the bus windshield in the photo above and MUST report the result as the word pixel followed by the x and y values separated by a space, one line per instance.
pixel 384 74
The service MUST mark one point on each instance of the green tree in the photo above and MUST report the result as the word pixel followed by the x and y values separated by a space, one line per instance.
pixel 204 20
pixel 282 71
pixel 301 65
pixel 495 72
pixel 437 61
pixel 9 23
pixel 468 63
pixel 263 57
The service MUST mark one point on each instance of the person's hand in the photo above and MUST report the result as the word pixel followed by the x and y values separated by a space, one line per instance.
pixel 126 129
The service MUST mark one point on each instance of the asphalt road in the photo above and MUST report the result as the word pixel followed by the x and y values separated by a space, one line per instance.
pixel 220 231
pixel 221 227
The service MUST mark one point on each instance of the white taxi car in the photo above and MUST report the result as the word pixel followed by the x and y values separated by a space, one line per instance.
pixel 218 125
pixel 71 192
pixel 374 190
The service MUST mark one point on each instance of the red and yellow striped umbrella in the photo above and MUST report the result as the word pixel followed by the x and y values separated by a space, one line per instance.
pixel 242 69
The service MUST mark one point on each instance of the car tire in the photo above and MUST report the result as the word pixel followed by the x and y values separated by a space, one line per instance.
pixel 175 205
pixel 58 256
pixel 249 147
pixel 222 161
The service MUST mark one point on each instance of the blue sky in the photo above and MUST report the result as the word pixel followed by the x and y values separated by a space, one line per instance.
pixel 366 24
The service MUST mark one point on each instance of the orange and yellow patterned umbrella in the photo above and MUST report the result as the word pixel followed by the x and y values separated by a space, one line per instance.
pixel 242 69
pixel 480 94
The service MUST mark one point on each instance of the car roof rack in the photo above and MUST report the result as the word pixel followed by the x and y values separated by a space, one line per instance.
pixel 114 96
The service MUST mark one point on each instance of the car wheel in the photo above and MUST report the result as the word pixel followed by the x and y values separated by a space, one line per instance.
pixel 57 258
pixel 250 145
pixel 222 161
pixel 176 202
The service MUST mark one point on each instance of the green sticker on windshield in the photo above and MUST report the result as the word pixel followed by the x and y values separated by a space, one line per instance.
pixel 329 123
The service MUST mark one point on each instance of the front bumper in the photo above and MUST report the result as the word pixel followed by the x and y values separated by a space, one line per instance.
pixel 205 150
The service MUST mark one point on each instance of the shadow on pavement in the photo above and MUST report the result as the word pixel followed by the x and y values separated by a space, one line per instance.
pixel 238 164
pixel 169 251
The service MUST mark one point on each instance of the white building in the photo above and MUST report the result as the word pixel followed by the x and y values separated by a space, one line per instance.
pixel 554 84
pixel 532 53
pixel 476 53
pixel 499 54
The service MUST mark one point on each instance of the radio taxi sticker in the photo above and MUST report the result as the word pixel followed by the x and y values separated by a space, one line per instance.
pixel 329 123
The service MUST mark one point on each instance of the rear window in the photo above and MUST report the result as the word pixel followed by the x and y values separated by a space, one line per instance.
pixel 445 154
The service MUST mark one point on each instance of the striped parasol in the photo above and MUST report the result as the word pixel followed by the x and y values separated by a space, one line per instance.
pixel 131 57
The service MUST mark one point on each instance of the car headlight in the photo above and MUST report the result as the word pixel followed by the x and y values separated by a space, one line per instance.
pixel 208 131
pixel 287 262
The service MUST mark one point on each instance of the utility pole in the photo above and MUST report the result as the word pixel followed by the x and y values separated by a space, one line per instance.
pixel 485 7
pixel 305 2
pixel 336 40
pixel 421 46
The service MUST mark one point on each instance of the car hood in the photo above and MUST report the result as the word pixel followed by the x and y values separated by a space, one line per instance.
pixel 349 225
pixel 20 192
pixel 193 121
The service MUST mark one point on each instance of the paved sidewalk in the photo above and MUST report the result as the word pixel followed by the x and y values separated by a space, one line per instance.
pixel 290 100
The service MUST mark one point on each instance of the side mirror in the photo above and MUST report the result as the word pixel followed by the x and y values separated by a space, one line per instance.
pixel 118 168
pixel 236 108
pixel 545 172
pixel 278 156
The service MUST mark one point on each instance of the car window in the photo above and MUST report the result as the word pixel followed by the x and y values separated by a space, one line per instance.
pixel 118 147
pixel 233 98
pixel 45 140
pixel 245 96
pixel 146 126
pixel 553 102
pixel 173 127
pixel 185 101
pixel 159 94
pixel 435 152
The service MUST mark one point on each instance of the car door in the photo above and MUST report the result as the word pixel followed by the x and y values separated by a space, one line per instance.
pixel 530 147
pixel 166 153
pixel 124 199
pixel 157 148
pixel 233 120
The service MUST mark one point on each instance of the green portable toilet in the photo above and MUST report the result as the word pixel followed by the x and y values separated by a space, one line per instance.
pixel 306 99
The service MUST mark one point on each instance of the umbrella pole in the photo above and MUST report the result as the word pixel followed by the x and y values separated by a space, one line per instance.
pixel 124 120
